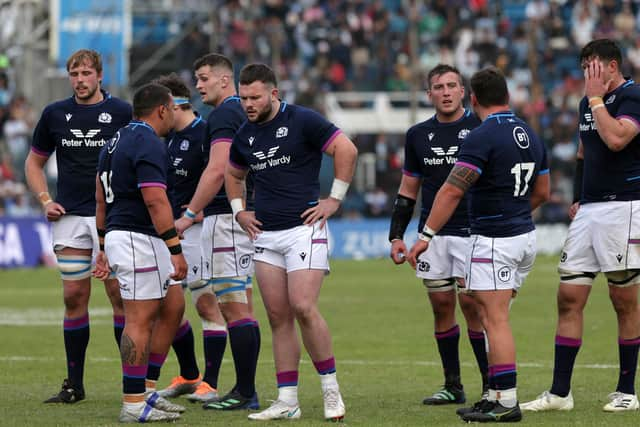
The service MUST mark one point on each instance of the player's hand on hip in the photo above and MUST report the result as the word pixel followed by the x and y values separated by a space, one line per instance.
pixel 249 223
pixel 54 211
pixel 321 212
pixel 102 269
pixel 573 210
pixel 398 251
pixel 179 267
pixel 418 248
pixel 182 224
pixel 594 82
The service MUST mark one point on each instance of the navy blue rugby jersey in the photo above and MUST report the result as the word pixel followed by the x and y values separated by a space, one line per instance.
pixel 431 149
pixel 186 152
pixel 284 155
pixel 509 157
pixel 77 133
pixel 133 159
pixel 611 175
pixel 222 124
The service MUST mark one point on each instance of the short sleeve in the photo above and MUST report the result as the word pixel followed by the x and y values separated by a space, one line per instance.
pixel 43 143
pixel 318 131
pixel 236 158
pixel 544 163
pixel 412 166
pixel 150 164
pixel 475 152
pixel 629 108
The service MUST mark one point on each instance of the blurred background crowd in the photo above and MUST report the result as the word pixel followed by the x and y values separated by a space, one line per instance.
pixel 326 46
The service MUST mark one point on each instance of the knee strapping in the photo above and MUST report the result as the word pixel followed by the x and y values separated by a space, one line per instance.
pixel 623 278
pixel 199 288
pixel 207 325
pixel 439 285
pixel 576 277
pixel 74 267
pixel 230 289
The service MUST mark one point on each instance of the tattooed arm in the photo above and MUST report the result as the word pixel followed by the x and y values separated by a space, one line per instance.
pixel 460 179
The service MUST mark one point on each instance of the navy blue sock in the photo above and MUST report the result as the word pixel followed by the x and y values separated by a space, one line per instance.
pixel 628 351
pixel 448 348
pixel 502 377
pixel 215 342
pixel 564 359
pixel 243 347
pixel 479 346
pixel 184 347
pixel 256 330
pixel 76 340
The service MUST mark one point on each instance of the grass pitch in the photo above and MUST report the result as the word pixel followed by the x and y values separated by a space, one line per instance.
pixel 386 355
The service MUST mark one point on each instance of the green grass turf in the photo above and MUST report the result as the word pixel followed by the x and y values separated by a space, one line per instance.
pixel 383 337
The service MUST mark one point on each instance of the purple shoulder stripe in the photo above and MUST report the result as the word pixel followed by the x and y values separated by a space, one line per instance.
pixel 330 140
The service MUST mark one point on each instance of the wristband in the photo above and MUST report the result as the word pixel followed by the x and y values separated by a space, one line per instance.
pixel 190 214
pixel 426 234
pixel 595 107
pixel 594 98
pixel 45 198
pixel 236 206
pixel 172 241
pixel 101 233
pixel 339 189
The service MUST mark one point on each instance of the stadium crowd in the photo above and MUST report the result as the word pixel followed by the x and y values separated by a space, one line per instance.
pixel 317 46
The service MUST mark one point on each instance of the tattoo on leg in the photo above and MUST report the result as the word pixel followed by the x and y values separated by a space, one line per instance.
pixel 462 177
pixel 127 350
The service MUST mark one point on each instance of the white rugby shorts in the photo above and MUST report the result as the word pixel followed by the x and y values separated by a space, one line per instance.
pixel 499 263
pixel 141 263
pixel 73 231
pixel 192 251
pixel 227 251
pixel 305 247
pixel 444 259
pixel 603 237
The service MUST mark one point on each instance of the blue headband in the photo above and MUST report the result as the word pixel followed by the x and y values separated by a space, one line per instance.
pixel 178 100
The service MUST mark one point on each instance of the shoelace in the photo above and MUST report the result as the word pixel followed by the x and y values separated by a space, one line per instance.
pixel 331 398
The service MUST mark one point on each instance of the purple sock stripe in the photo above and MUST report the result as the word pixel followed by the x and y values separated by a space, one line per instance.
pixel 568 342
pixel 256 324
pixel 325 366
pixel 118 321
pixel 156 359
pixel 632 341
pixel 211 334
pixel 475 335
pixel 287 378
pixel 319 241
pixel 242 322
pixel 134 371
pixel 146 269
pixel 77 323
pixel 634 241
pixel 182 331
pixel 449 333
pixel 496 370
pixel 482 260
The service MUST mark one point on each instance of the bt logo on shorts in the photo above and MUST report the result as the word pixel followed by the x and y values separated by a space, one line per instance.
pixel 245 260
pixel 504 274
pixel 424 266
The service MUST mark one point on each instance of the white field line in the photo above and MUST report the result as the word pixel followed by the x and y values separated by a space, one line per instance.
pixel 340 362
pixel 49 316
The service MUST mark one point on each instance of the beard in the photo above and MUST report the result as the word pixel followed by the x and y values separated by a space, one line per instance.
pixel 89 94
pixel 264 114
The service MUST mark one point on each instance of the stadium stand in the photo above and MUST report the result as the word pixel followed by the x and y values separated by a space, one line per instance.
pixel 349 58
